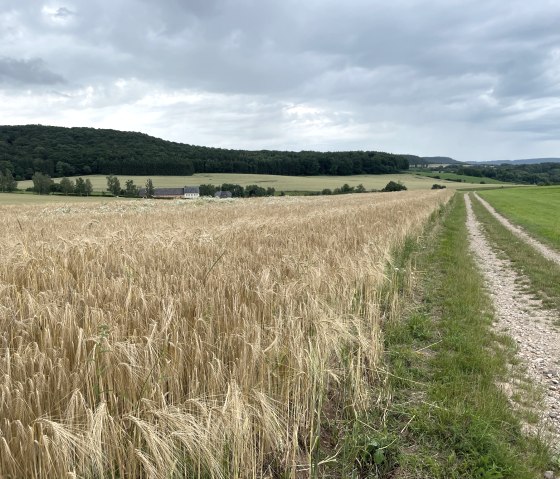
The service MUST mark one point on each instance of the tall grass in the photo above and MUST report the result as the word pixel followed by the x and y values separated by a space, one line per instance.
pixel 180 339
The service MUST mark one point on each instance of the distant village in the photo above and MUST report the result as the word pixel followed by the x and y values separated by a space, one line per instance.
pixel 186 192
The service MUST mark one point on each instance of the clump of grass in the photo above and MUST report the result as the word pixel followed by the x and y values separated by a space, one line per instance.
pixel 191 340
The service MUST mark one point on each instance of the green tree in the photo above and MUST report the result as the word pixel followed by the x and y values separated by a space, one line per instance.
pixel 150 190
pixel 360 188
pixel 80 188
pixel 41 183
pixel 344 189
pixel 7 182
pixel 393 186
pixel 66 186
pixel 207 190
pixel 64 169
pixel 254 190
pixel 88 187
pixel 130 189
pixel 237 191
pixel 113 185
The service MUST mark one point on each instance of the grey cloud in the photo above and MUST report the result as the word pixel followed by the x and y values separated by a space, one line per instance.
pixel 415 64
pixel 27 72
pixel 63 12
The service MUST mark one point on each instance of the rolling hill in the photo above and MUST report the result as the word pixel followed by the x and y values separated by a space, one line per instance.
pixel 59 151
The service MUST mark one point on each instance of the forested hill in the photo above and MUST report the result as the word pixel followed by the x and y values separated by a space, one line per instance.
pixel 61 151
pixel 423 161
pixel 526 161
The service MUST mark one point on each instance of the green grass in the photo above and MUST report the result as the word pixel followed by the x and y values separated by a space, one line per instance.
pixel 464 178
pixel 280 183
pixel 447 414
pixel 537 209
pixel 543 274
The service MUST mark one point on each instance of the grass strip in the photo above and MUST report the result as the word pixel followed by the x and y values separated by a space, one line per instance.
pixel 533 208
pixel 448 418
pixel 543 274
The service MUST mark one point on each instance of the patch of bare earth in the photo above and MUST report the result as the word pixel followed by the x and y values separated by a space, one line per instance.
pixel 524 319
pixel 521 233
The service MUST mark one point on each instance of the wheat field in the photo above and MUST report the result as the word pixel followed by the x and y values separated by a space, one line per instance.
pixel 190 339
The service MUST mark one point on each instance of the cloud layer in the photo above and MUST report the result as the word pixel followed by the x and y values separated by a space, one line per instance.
pixel 471 79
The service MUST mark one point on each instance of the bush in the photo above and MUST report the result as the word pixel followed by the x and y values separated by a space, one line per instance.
pixel 393 186
pixel 435 186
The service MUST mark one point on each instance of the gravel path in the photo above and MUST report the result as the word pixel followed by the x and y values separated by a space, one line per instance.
pixel 524 319
pixel 520 232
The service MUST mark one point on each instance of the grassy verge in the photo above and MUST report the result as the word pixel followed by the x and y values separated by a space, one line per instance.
pixel 447 417
pixel 534 208
pixel 543 274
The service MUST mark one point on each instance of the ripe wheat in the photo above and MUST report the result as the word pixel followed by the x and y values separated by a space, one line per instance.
pixel 190 339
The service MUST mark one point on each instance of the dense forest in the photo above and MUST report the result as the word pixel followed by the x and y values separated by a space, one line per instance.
pixel 533 174
pixel 59 152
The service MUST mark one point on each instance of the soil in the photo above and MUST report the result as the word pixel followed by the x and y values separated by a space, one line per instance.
pixel 524 319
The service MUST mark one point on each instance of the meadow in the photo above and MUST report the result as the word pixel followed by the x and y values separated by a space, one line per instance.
pixel 534 208
pixel 193 339
pixel 280 183
pixel 464 178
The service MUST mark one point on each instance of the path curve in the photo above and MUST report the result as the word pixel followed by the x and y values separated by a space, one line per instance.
pixel 524 319
pixel 546 251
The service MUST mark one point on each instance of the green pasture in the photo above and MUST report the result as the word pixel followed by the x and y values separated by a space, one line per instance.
pixel 537 209
pixel 464 178
pixel 280 183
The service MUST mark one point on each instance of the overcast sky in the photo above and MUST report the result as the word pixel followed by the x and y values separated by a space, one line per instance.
pixel 471 79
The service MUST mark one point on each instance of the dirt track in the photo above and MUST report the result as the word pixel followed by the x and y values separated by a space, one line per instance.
pixel 524 319
pixel 541 248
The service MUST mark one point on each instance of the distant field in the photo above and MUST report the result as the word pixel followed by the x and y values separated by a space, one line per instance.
pixel 535 208
pixel 465 178
pixel 280 183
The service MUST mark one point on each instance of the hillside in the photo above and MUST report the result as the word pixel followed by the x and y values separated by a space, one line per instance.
pixel 59 151
pixel 533 174
pixel 422 161
pixel 442 160
pixel 527 161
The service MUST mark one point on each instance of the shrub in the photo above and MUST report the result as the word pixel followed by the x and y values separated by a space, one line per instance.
pixel 394 186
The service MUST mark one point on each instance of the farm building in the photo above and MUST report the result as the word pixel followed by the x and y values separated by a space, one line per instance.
pixel 188 192
pixel 191 192
pixel 222 194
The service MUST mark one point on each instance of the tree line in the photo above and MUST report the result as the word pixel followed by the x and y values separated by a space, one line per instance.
pixel 533 174
pixel 65 152
pixel 43 184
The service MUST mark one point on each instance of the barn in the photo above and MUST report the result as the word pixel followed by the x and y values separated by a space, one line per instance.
pixel 188 192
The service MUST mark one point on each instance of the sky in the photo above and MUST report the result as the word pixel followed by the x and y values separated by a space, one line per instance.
pixel 471 79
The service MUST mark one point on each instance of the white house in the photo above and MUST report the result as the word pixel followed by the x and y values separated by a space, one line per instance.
pixel 191 192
